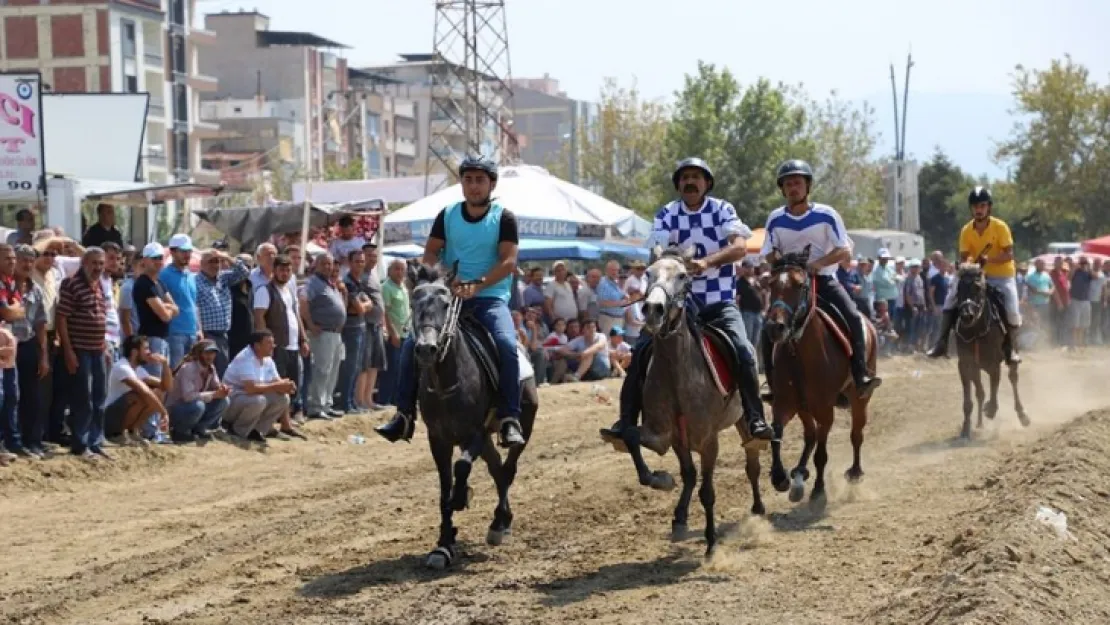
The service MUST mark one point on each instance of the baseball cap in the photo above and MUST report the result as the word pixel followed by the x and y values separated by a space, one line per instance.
pixel 884 253
pixel 616 332
pixel 900 259
pixel 914 262
pixel 153 250
pixel 181 242
pixel 209 346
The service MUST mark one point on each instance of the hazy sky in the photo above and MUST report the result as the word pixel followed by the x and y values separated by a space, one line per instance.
pixel 964 51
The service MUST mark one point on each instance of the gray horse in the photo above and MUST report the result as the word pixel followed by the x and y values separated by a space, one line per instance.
pixel 979 335
pixel 683 408
pixel 457 400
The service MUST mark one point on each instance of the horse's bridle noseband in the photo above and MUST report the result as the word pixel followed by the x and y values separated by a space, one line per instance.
pixel 980 307
pixel 806 306
pixel 674 300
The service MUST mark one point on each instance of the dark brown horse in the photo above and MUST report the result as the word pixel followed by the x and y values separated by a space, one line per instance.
pixel 811 376
pixel 979 336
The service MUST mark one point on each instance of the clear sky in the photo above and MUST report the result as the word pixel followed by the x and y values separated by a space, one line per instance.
pixel 964 51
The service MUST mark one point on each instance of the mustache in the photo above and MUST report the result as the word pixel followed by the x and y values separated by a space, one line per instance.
pixel 690 188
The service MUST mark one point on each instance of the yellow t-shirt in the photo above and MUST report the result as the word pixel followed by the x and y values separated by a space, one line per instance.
pixel 997 235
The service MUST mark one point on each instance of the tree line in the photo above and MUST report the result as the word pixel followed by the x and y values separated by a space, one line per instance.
pixel 1058 155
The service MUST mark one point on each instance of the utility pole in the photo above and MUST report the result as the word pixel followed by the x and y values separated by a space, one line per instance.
pixel 898 201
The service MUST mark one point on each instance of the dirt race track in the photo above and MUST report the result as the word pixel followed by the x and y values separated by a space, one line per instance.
pixel 327 532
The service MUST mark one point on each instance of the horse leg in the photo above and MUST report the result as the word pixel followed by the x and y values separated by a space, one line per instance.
pixel 503 474
pixel 821 456
pixel 461 493
pixel 778 473
pixel 859 421
pixel 751 467
pixel 977 380
pixel 689 478
pixel 965 381
pixel 799 474
pixel 659 480
pixel 706 493
pixel 1022 417
pixel 994 373
pixel 445 551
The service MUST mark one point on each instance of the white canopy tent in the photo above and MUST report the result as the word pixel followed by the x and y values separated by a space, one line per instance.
pixel 545 206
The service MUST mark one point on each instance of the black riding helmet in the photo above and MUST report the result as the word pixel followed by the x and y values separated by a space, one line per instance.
pixel 478 163
pixel 695 163
pixel 979 195
pixel 794 167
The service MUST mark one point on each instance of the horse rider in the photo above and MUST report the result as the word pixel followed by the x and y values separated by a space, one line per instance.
pixel 710 225
pixel 998 266
pixel 801 223
pixel 481 236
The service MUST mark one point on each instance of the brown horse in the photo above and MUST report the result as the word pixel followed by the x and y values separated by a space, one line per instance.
pixel 811 376
pixel 979 336
pixel 689 397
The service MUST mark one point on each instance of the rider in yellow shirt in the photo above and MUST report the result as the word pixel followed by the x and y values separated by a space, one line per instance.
pixel 986 238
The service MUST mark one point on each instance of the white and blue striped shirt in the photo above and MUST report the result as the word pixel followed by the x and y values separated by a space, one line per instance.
pixel 821 228
pixel 707 230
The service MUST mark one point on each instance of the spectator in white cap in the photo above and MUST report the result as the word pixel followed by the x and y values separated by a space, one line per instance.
pixel 184 329
pixel 154 305
pixel 882 277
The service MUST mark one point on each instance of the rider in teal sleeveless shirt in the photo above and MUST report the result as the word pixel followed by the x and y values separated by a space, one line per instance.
pixel 481 236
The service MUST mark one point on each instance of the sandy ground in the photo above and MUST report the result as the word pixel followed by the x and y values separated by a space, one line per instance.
pixel 331 532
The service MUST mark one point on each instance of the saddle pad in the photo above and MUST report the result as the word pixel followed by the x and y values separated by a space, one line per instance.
pixel 718 366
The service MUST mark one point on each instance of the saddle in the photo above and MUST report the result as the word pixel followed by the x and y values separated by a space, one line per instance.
pixel 836 323
pixel 720 355
pixel 481 344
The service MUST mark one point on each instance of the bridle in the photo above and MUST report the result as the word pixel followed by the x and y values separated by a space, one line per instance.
pixel 978 306
pixel 805 307
pixel 676 299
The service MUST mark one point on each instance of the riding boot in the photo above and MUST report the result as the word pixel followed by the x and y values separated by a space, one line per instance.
pixel 510 434
pixel 400 427
pixel 947 322
pixel 1009 345
pixel 753 403
pixel 865 384
pixel 767 350
pixel 632 393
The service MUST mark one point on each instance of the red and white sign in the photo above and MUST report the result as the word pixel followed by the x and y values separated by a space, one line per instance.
pixel 22 171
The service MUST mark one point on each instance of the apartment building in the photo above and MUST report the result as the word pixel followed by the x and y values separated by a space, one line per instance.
pixel 122 46
pixel 415 78
pixel 388 138
pixel 548 124
pixel 298 70
pixel 254 136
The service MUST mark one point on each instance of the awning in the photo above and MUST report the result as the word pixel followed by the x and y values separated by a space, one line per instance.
pixel 143 195
pixel 623 250
pixel 253 225
pixel 530 250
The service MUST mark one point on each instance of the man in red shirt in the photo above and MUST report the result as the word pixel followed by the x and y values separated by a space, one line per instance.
pixel 1061 299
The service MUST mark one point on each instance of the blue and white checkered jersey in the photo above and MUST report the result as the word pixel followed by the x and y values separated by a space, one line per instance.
pixel 820 227
pixel 707 230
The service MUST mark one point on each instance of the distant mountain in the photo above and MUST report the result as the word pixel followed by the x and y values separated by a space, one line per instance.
pixel 966 125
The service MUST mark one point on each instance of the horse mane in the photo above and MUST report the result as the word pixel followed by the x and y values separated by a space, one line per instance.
pixel 969 270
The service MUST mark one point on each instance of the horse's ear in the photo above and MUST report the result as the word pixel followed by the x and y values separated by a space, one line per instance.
pixel 656 252
pixel 688 252
pixel 805 252
pixel 425 275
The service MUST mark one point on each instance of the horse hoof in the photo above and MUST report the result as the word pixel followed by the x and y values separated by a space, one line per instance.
pixel 710 551
pixel 797 488
pixel 679 532
pixel 758 509
pixel 782 486
pixel 853 475
pixel 661 480
pixel 818 501
pixel 461 501
pixel 1023 419
pixel 496 538
pixel 437 561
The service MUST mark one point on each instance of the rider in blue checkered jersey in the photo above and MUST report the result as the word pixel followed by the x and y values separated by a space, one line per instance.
pixel 711 227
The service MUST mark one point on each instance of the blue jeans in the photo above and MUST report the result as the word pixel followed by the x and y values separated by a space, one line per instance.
pixel 8 411
pixel 354 346
pixel 87 388
pixel 390 379
pixel 196 417
pixel 31 420
pixel 179 345
pixel 494 315
pixel 753 327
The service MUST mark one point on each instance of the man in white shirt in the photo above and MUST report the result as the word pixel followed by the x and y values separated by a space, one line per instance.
pixel 259 396
pixel 590 349
pixel 131 398
pixel 341 247
pixel 802 224
pixel 558 296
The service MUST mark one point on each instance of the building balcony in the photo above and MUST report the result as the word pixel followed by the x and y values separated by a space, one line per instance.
pixel 155 157
pixel 153 60
pixel 206 130
pixel 156 107
pixel 201 82
pixel 445 127
pixel 404 147
pixel 404 108
pixel 206 176
pixel 202 37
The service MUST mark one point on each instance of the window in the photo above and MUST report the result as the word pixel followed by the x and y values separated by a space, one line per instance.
pixel 127 38
pixel 385 127
pixel 388 166
pixel 131 84
pixel 177 12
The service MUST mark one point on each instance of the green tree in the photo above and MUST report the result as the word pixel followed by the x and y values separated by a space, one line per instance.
pixel 619 150
pixel 352 171
pixel 942 189
pixel 742 132
pixel 840 140
pixel 1059 153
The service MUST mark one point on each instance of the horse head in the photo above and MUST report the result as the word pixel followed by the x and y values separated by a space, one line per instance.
pixel 971 292
pixel 669 283
pixel 791 292
pixel 431 303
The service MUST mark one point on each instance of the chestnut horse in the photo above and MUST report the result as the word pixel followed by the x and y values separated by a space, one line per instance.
pixel 811 376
